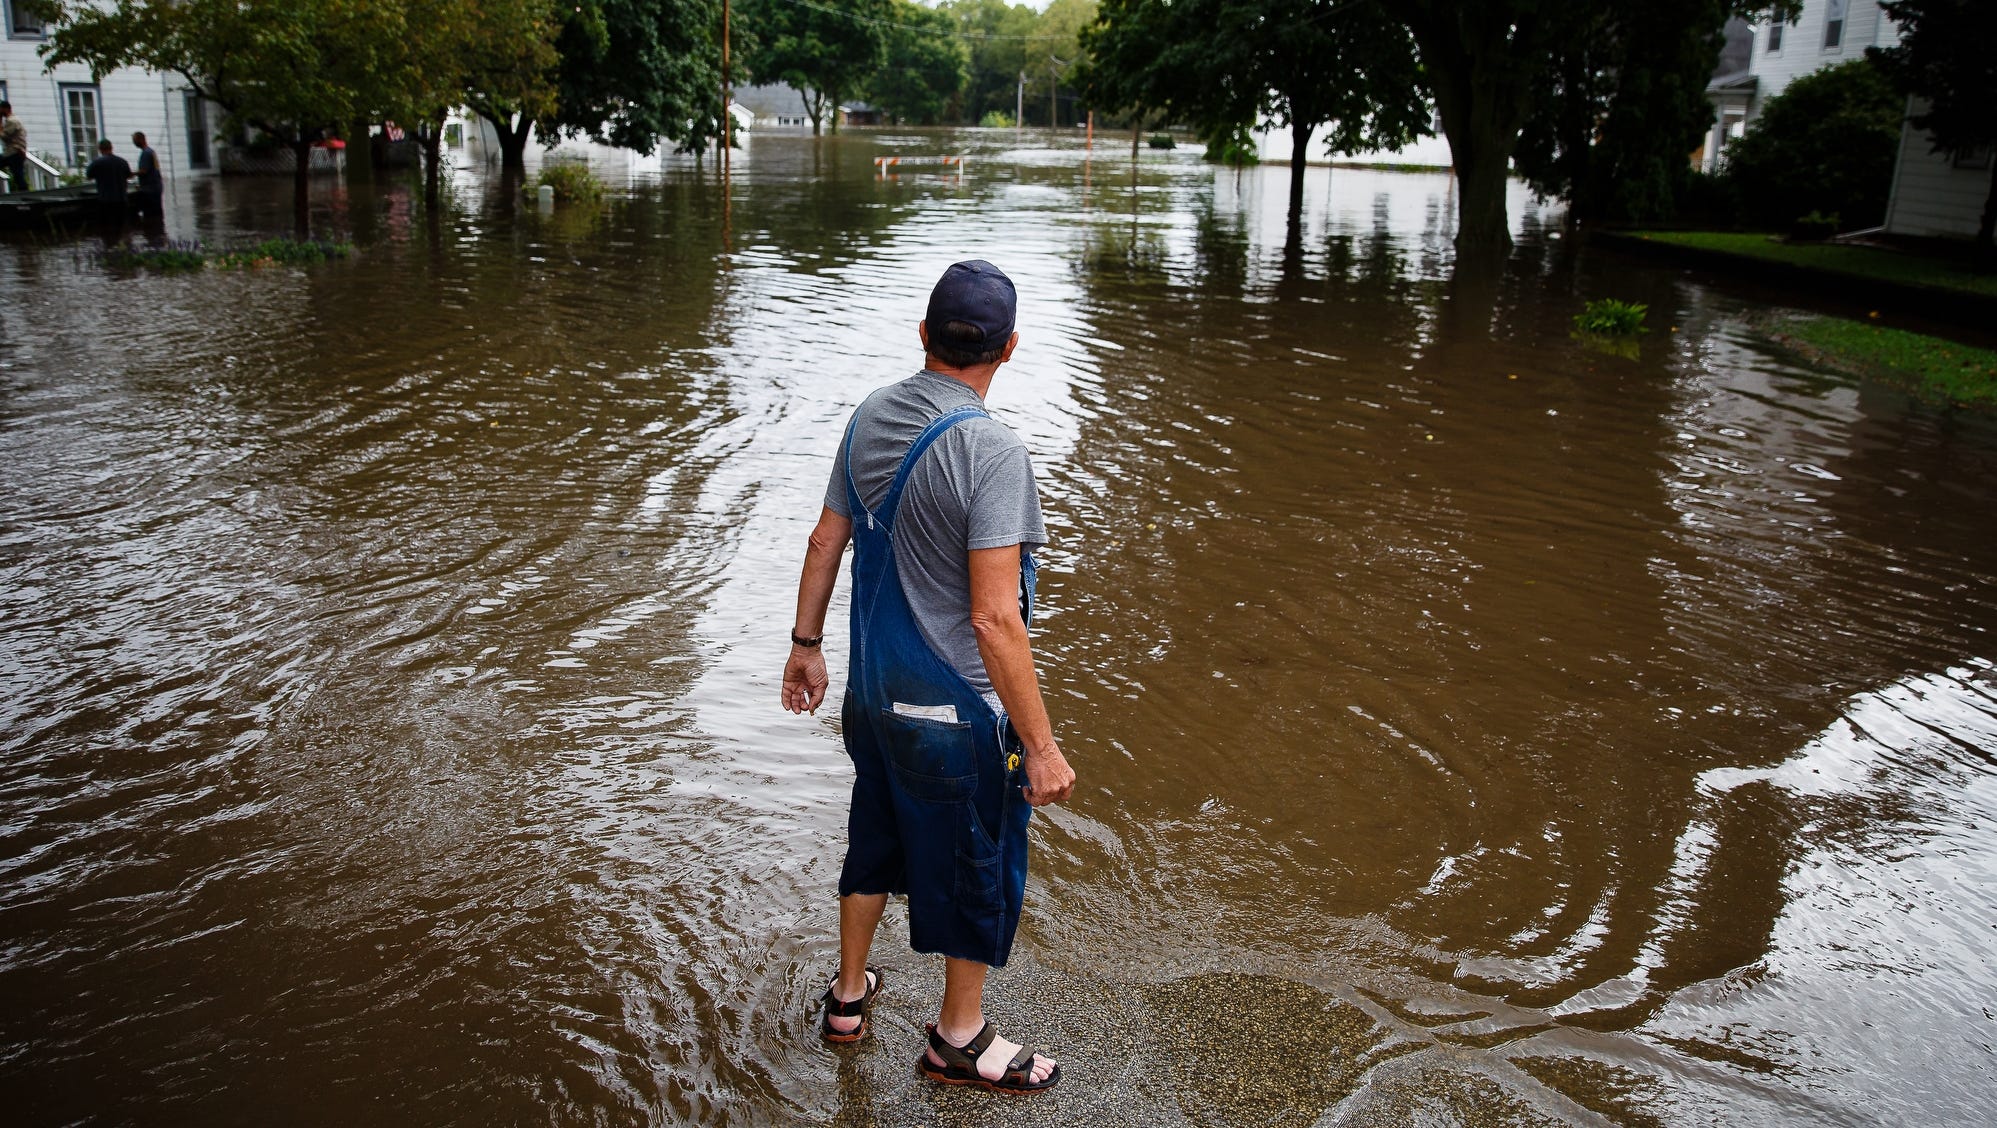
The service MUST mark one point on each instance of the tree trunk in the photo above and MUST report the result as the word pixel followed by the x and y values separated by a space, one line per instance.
pixel 512 136
pixel 432 136
pixel 1300 143
pixel 360 168
pixel 301 180
pixel 832 97
pixel 815 102
pixel 1481 62
pixel 1982 253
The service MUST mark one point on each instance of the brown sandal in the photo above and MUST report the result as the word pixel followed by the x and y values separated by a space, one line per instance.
pixel 960 1065
pixel 835 1007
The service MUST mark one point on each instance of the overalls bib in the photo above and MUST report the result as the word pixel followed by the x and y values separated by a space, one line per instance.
pixel 937 810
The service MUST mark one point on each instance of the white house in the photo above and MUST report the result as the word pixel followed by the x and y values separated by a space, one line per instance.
pixel 1826 33
pixel 1936 194
pixel 66 110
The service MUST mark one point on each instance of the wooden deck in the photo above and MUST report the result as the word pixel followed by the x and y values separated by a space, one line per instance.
pixel 48 206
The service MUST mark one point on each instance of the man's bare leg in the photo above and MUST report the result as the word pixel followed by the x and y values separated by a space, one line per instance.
pixel 964 1015
pixel 859 916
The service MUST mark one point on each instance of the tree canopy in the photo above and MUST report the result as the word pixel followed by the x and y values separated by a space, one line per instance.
pixel 924 69
pixel 1825 144
pixel 825 49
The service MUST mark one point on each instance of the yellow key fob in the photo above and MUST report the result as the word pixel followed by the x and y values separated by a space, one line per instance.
pixel 1012 762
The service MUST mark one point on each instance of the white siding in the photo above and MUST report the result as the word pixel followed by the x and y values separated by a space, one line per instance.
pixel 1803 46
pixel 1930 195
pixel 128 101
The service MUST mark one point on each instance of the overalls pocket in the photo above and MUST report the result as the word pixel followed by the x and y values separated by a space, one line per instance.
pixel 934 761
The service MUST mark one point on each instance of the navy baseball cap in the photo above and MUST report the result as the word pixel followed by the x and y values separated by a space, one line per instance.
pixel 978 294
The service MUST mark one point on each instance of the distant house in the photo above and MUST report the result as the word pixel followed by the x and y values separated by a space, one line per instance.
pixel 1778 52
pixel 1936 194
pixel 67 110
pixel 774 106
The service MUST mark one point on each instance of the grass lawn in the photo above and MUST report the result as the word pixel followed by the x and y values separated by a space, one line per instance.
pixel 1931 367
pixel 1861 262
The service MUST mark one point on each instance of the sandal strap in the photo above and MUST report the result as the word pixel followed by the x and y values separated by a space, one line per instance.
pixel 842 1008
pixel 1022 1062
pixel 964 1056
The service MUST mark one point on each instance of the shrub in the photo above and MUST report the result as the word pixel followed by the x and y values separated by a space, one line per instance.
pixel 1825 144
pixel 996 119
pixel 1237 149
pixel 572 181
pixel 1608 317
pixel 1161 141
pixel 1813 228
pixel 282 252
pixel 174 256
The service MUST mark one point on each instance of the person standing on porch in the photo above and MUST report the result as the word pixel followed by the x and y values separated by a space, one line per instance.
pixel 950 739
pixel 13 149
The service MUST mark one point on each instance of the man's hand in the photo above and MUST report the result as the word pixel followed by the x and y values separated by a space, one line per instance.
pixel 1049 779
pixel 804 679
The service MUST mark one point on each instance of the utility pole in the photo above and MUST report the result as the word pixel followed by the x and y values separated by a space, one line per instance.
pixel 1054 69
pixel 1019 107
pixel 727 116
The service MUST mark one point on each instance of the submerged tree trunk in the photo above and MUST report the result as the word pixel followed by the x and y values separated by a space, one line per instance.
pixel 301 181
pixel 512 129
pixel 360 163
pixel 1481 62
pixel 1300 144
pixel 832 98
pixel 431 134
pixel 1983 253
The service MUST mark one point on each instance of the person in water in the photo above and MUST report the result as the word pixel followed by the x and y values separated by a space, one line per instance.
pixel 951 743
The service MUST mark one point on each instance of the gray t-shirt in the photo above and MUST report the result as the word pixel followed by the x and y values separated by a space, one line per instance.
pixel 972 489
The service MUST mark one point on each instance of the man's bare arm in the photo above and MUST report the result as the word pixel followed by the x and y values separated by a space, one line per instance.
pixel 804 672
pixel 1008 655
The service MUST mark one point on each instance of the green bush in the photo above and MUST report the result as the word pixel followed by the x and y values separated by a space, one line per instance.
pixel 1826 144
pixel 282 252
pixel 1608 317
pixel 1236 149
pixel 1813 228
pixel 572 181
pixel 996 119
pixel 1161 141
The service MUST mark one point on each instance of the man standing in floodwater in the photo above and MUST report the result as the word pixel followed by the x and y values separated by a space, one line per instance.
pixel 111 174
pixel 950 740
pixel 146 200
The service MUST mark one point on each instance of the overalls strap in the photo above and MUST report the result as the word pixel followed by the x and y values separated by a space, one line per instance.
pixel 884 513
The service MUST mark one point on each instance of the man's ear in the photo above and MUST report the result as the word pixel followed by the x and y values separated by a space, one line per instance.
pixel 1011 343
pixel 922 330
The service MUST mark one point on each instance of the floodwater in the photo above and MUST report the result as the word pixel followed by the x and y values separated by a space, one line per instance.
pixel 1473 726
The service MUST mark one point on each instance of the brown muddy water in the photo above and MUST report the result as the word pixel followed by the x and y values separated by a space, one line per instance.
pixel 1473 727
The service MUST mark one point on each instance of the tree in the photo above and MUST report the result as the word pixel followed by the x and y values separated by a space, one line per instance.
pixel 925 66
pixel 824 51
pixel 1945 58
pixel 1622 104
pixel 1825 144
pixel 1055 49
pixel 289 68
pixel 1223 65
pixel 635 73
pixel 508 67
pixel 998 35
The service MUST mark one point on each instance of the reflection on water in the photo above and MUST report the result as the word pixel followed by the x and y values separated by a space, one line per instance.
pixel 1473 727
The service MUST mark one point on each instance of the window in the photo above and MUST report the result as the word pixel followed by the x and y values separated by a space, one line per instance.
pixel 197 130
pixel 1833 25
pixel 25 20
pixel 80 122
pixel 1775 38
pixel 1976 158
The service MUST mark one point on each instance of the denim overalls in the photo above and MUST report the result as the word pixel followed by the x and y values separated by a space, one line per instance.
pixel 937 811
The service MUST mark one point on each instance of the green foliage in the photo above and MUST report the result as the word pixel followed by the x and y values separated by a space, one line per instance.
pixel 1944 56
pixel 1610 317
pixel 1929 366
pixel 826 52
pixel 996 119
pixel 1223 65
pixel 1161 141
pixel 189 255
pixel 636 73
pixel 1620 105
pixel 1815 226
pixel 997 34
pixel 1234 148
pixel 1827 144
pixel 925 67
pixel 572 181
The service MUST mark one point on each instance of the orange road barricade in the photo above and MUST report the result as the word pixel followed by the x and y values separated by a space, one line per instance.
pixel 882 165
